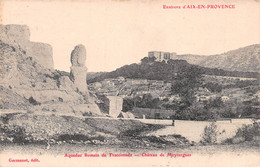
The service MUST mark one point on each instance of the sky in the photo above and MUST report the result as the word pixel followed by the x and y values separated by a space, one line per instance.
pixel 116 33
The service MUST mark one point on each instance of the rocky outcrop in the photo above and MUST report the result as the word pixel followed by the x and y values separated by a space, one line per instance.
pixel 78 70
pixel 78 56
pixel 19 36
pixel 31 86
pixel 78 74
pixel 12 100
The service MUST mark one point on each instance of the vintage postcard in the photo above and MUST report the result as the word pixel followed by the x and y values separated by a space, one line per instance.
pixel 130 83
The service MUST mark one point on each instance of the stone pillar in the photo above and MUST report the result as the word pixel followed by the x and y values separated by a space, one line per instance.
pixel 115 105
pixel 78 70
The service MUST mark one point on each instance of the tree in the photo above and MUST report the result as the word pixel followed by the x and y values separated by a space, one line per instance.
pixel 146 101
pixel 210 134
pixel 147 60
pixel 214 103
pixel 128 104
pixel 186 83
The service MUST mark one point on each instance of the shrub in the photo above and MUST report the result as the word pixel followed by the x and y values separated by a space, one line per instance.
pixel 248 132
pixel 33 101
pixel 210 134
pixel 16 134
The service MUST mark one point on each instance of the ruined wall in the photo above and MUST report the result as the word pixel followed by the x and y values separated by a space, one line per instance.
pixel 42 53
pixel 19 36
pixel 115 105
pixel 37 87
pixel 15 35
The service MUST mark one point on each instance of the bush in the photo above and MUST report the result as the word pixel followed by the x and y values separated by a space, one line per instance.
pixel 15 134
pixel 210 134
pixel 33 101
pixel 248 132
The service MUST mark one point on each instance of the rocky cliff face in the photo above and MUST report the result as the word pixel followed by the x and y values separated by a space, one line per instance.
pixel 242 59
pixel 19 36
pixel 26 84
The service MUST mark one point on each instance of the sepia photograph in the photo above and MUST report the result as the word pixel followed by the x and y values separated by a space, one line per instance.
pixel 130 83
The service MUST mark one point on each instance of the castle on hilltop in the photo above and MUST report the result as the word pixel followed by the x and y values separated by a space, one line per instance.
pixel 161 56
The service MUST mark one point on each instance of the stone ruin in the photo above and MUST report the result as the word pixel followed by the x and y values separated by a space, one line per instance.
pixel 115 105
pixel 78 75
pixel 51 91
pixel 78 70
pixel 19 36
pixel 27 73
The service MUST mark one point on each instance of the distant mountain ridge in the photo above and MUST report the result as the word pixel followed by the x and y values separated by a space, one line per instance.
pixel 243 59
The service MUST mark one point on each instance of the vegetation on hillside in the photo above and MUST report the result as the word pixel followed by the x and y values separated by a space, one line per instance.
pixel 186 79
pixel 152 70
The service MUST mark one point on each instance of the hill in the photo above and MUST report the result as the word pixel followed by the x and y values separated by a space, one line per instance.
pixel 149 69
pixel 242 59
pixel 91 75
